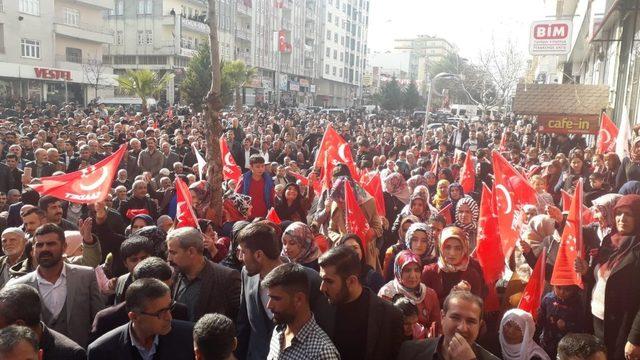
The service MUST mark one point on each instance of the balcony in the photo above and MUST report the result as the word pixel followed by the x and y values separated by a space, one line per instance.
pixel 102 4
pixel 195 26
pixel 310 33
pixel 243 34
pixel 243 10
pixel 188 52
pixel 84 31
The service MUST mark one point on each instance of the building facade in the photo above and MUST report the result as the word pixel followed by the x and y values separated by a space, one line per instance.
pixel 51 50
pixel 423 50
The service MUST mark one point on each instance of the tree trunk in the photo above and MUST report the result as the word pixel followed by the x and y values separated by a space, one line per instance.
pixel 145 110
pixel 213 126
pixel 238 100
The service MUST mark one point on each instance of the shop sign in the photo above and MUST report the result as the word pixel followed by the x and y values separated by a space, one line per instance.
pixel 52 74
pixel 304 82
pixel 569 124
pixel 312 88
pixel 293 86
pixel 550 37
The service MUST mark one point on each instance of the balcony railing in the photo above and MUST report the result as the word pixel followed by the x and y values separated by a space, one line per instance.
pixel 195 25
pixel 243 34
pixel 97 28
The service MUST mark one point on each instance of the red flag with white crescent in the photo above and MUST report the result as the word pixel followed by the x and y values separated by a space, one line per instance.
pixel 230 170
pixel 374 188
pixel 607 135
pixel 489 248
pixel 446 213
pixel 87 186
pixel 570 244
pixel 512 192
pixel 185 216
pixel 336 150
pixel 355 221
pixel 533 292
pixel 587 214
pixel 468 174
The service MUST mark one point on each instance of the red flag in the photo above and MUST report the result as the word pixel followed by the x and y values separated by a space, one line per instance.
pixel 272 216
pixel 468 174
pixel 170 112
pixel 503 141
pixel 327 176
pixel 336 150
pixel 354 219
pixel 606 136
pixel 434 165
pixel 489 247
pixel 446 213
pixel 512 192
pixel 278 4
pixel 533 292
pixel 587 215
pixel 131 213
pixel 87 186
pixel 230 170
pixel 570 244
pixel 374 187
pixel 185 216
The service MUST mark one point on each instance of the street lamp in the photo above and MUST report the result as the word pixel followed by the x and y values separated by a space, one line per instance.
pixel 430 83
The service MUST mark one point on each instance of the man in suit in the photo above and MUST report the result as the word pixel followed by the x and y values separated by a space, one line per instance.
pixel 366 327
pixel 170 157
pixel 461 323
pixel 202 285
pixel 84 159
pixel 151 331
pixel 14 179
pixel 138 201
pixel 54 213
pixel 20 304
pixel 40 167
pixel 70 295
pixel 259 249
pixel 116 315
pixel 242 155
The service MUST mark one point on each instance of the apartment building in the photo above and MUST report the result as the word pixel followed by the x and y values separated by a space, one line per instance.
pixel 423 50
pixel 51 50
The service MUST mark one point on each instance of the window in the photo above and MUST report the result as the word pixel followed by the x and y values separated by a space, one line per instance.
pixel 334 71
pixel 31 7
pixel 340 72
pixel 149 37
pixel 326 69
pixel 328 52
pixel 335 54
pixel 30 48
pixel 329 17
pixel 341 56
pixel 145 7
pixel 335 37
pixel 71 17
pixel 119 37
pixel 119 8
pixel 74 55
pixel 328 34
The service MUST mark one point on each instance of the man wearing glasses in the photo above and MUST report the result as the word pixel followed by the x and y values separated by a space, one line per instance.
pixel 151 332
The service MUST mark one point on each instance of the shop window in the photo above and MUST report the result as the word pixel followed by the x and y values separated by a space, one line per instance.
pixel 71 17
pixel 31 7
pixel 30 48
pixel 74 55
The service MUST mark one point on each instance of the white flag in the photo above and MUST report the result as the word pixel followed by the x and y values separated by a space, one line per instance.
pixel 624 136
pixel 201 162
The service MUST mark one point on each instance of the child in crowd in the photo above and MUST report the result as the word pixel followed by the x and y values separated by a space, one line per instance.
pixel 413 330
pixel 544 198
pixel 561 312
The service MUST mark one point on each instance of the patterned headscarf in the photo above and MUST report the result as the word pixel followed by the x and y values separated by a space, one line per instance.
pixel 605 205
pixel 453 232
pixel 337 191
pixel 302 235
pixel 540 227
pixel 415 181
pixel 241 202
pixel 404 258
pixel 475 214
pixel 202 190
pixel 455 185
pixel 419 226
pixel 439 198
pixel 396 185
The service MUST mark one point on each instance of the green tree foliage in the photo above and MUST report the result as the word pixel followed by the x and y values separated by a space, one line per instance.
pixel 238 74
pixel 197 80
pixel 411 98
pixel 144 84
pixel 391 95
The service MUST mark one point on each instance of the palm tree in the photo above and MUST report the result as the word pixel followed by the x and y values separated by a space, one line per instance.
pixel 143 84
pixel 239 75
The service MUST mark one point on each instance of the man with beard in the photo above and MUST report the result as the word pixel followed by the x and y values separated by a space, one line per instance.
pixel 366 327
pixel 151 332
pixel 13 244
pixel 461 323
pixel 296 335
pixel 259 249
pixel 69 293
pixel 53 212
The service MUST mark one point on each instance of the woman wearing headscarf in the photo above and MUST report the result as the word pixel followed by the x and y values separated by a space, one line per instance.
pixel 456 192
pixel 138 222
pixel 393 250
pixel 432 182
pixel 551 173
pixel 517 329
pixel 604 228
pixel 539 228
pixel 407 270
pixel 630 167
pixel 615 292
pixel 442 194
pixel 232 261
pixel 236 207
pixel 292 205
pixel 299 246
pixel 201 195
pixel 420 239
pixel 452 268
pixel 396 195
pixel 612 165
pixel 417 180
pixel 467 214
pixel 368 276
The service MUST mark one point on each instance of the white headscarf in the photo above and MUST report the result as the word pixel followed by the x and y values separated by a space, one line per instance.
pixel 528 348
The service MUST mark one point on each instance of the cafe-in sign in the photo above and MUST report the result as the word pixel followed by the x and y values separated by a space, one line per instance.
pixel 568 124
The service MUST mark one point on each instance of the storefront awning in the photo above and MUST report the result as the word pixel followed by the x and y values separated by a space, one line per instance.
pixel 610 19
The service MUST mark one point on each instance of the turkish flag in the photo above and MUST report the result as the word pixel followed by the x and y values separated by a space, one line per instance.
pixel 446 213
pixel 533 292
pixel 512 192
pixel 335 150
pixel 374 187
pixel 230 170
pixel 587 215
pixel 355 221
pixel 570 244
pixel 185 216
pixel 489 247
pixel 272 216
pixel 503 141
pixel 468 174
pixel 606 136
pixel 87 186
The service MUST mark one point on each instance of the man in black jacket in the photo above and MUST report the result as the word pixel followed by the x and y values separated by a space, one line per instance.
pixel 150 330
pixel 366 327
pixel 21 303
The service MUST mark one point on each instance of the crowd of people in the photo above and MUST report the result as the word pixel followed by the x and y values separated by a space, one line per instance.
pixel 117 279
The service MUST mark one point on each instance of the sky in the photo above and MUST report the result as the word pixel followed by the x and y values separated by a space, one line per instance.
pixel 471 25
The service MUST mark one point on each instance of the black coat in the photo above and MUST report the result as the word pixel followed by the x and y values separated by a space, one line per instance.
pixel 56 346
pixel 425 349
pixel 116 344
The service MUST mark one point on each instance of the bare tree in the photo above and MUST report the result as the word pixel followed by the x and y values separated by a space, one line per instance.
pixel 93 70
pixel 213 126
pixel 505 66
